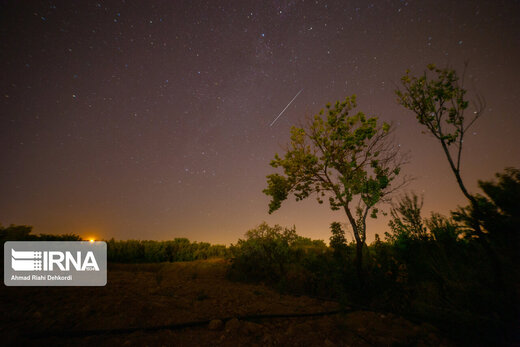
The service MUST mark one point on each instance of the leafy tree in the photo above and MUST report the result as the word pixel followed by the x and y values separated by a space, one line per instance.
pixel 347 158
pixel 338 241
pixel 439 104
pixel 443 229
pixel 406 218
pixel 15 233
pixel 498 211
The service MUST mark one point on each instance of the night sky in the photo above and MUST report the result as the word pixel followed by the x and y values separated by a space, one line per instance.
pixel 150 119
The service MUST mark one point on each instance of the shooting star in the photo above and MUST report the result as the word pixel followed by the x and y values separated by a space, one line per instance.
pixel 289 104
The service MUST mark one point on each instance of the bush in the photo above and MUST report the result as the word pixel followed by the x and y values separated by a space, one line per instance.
pixel 178 249
pixel 278 256
pixel 264 254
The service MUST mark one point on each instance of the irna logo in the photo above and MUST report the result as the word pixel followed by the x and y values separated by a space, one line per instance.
pixel 55 263
pixel 53 260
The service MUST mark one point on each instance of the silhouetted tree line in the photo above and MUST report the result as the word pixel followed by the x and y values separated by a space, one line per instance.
pixel 130 251
pixel 432 269
pixel 23 233
pixel 178 249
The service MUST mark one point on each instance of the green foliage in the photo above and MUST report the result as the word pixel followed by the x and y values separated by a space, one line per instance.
pixel 438 102
pixel 443 229
pixel 499 209
pixel 335 155
pixel 433 275
pixel 407 224
pixel 406 219
pixel 130 251
pixel 265 252
pixel 178 249
pixel 347 159
pixel 498 213
pixel 338 242
pixel 268 253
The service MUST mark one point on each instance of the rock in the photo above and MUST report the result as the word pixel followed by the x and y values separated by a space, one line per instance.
pixel 302 327
pixel 268 340
pixel 252 328
pixel 433 338
pixel 290 331
pixel 329 343
pixel 215 324
pixel 85 309
pixel 428 327
pixel 232 325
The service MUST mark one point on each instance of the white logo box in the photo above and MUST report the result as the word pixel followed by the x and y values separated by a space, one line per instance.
pixel 55 263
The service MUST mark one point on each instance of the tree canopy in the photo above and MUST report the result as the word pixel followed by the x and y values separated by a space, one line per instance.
pixel 348 159
pixel 438 99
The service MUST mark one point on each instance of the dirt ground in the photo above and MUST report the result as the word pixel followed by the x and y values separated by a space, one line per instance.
pixel 154 295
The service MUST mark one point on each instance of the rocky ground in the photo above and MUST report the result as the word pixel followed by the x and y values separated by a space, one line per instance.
pixel 154 295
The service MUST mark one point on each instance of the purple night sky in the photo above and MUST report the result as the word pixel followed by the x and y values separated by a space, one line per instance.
pixel 150 119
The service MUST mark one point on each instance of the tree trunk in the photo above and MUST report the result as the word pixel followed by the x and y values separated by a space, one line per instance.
pixel 359 262
pixel 482 237
pixel 359 246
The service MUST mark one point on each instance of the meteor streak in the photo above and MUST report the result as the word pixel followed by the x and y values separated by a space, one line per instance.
pixel 289 104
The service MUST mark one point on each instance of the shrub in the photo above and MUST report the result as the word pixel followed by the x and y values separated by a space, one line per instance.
pixel 264 254
pixel 178 249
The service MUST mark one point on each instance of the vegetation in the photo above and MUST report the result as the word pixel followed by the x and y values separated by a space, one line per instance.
pixel 430 269
pixel 459 272
pixel 267 253
pixel 130 251
pixel 348 159
pixel 178 249
pixel 23 233
pixel 439 104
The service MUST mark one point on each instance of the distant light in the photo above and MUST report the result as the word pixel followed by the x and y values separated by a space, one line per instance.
pixel 91 240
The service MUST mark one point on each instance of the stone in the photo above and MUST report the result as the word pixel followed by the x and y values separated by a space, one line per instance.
pixel 252 328
pixel 290 331
pixel 232 325
pixel 329 343
pixel 268 340
pixel 215 324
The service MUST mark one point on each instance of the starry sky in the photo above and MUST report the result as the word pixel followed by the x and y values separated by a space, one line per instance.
pixel 150 119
